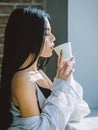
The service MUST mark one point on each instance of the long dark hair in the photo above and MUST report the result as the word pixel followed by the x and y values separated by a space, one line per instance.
pixel 23 36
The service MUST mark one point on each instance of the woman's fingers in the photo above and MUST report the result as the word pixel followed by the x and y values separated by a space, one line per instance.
pixel 65 69
pixel 61 60
pixel 71 61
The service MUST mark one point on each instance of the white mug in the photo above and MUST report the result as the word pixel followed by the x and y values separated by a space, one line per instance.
pixel 66 48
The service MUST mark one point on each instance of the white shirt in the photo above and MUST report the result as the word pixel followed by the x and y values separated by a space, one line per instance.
pixel 63 105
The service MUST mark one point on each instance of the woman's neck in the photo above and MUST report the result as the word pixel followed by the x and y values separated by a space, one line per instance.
pixel 33 67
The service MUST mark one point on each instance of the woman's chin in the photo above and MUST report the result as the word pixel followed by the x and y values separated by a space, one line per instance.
pixel 47 56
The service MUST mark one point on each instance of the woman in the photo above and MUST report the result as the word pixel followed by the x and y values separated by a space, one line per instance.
pixel 29 100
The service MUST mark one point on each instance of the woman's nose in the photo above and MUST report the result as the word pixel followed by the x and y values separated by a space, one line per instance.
pixel 52 37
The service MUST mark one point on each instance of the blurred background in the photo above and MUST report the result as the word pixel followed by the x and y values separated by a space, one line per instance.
pixel 71 20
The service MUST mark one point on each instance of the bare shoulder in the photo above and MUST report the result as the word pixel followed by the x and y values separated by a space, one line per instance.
pixel 24 94
pixel 21 80
pixel 21 83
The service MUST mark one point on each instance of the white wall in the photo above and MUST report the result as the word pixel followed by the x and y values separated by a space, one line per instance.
pixel 83 33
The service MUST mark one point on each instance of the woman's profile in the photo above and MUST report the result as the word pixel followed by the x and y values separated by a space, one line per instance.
pixel 29 100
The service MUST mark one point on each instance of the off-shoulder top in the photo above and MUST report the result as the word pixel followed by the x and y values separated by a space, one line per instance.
pixel 62 104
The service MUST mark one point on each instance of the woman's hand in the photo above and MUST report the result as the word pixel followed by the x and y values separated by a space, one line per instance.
pixel 65 70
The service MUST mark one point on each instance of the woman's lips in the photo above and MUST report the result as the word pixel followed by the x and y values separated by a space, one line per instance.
pixel 52 48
